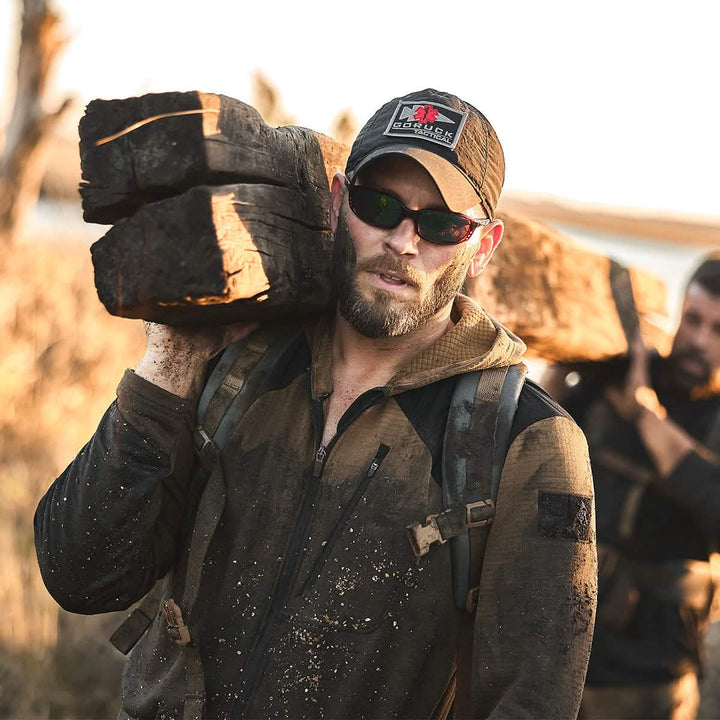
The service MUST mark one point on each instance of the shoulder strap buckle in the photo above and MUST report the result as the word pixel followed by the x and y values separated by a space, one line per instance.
pixel 472 598
pixel 441 527
pixel 423 536
pixel 205 448
pixel 479 513
pixel 202 440
pixel 176 626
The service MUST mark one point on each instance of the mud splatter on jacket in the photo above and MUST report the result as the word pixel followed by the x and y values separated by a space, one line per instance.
pixel 312 603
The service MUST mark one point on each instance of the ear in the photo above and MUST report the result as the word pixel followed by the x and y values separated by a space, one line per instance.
pixel 490 239
pixel 337 191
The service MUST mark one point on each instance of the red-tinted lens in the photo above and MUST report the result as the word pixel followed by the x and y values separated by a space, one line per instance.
pixel 443 228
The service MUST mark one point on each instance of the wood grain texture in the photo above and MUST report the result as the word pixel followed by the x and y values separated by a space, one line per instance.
pixel 160 145
pixel 215 255
pixel 556 295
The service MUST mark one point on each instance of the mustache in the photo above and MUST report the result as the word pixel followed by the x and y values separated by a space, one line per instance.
pixel 693 355
pixel 391 264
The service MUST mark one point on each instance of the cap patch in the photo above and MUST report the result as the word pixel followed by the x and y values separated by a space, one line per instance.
pixel 427 121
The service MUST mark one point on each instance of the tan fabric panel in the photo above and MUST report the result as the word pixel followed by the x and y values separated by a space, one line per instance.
pixel 531 572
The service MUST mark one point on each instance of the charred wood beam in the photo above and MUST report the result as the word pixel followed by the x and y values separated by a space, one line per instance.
pixel 220 217
pixel 156 146
pixel 557 295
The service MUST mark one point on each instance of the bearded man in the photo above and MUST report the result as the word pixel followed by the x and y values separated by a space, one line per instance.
pixel 653 426
pixel 292 501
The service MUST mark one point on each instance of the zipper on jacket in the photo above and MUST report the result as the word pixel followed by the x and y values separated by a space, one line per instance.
pixel 319 463
pixel 257 657
pixel 383 450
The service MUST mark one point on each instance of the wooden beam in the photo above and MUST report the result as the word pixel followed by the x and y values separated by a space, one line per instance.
pixel 220 217
pixel 556 295
pixel 156 146
pixel 215 255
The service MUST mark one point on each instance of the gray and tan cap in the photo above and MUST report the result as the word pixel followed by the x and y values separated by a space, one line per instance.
pixel 450 138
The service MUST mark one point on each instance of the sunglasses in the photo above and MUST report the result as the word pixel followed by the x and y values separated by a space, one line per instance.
pixel 384 211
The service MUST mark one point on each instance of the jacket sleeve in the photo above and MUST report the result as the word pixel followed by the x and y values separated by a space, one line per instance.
pixel 538 594
pixel 694 484
pixel 109 525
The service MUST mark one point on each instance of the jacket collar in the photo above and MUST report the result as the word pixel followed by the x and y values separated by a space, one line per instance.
pixel 475 342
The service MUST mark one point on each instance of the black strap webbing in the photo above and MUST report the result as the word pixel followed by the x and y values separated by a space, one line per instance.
pixel 228 393
pixel 134 626
pixel 507 407
pixel 622 293
pixel 483 406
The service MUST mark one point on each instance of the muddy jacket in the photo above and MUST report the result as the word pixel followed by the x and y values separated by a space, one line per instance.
pixel 655 535
pixel 312 603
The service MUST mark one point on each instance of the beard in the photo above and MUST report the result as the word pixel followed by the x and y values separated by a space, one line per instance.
pixel 383 314
pixel 684 378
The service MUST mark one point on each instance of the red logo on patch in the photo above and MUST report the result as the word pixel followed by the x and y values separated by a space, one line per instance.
pixel 426 114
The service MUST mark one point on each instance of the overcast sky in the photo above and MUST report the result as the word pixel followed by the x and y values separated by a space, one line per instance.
pixel 612 102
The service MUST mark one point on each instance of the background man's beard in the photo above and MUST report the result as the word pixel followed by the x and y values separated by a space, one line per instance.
pixel 684 379
pixel 383 315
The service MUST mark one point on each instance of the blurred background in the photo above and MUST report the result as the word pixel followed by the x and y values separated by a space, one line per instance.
pixel 608 114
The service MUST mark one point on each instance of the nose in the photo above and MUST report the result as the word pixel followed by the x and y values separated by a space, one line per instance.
pixel 402 240
pixel 700 339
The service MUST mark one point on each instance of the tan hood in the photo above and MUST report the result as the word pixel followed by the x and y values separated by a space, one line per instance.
pixel 476 342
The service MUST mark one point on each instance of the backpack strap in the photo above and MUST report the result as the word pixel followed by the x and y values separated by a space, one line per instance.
pixel 483 405
pixel 496 401
pixel 228 393
pixel 624 299
pixel 230 401
pixel 131 629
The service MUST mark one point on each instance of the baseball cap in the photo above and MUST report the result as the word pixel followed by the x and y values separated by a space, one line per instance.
pixel 450 138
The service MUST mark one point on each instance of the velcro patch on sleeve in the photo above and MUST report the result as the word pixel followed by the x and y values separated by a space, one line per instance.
pixel 565 516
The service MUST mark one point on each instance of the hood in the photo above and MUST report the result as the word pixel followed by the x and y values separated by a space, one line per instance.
pixel 476 342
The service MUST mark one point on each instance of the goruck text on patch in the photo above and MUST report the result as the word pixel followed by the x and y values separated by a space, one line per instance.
pixel 428 121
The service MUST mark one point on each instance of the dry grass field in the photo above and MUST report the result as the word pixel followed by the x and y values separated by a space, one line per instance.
pixel 61 356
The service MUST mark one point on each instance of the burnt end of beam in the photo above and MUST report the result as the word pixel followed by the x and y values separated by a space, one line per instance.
pixel 216 255
pixel 109 147
pixel 140 150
